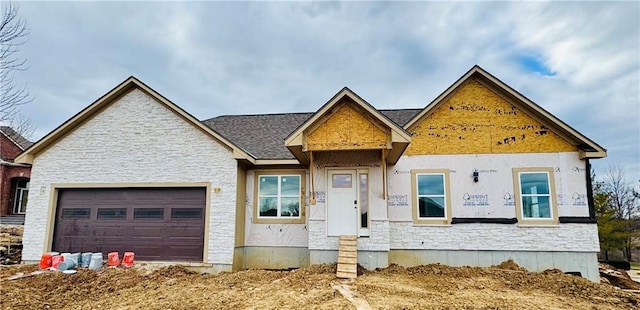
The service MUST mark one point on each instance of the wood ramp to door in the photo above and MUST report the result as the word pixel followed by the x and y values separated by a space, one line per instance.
pixel 348 257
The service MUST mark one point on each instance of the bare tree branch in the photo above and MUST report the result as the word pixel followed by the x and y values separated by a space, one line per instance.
pixel 13 33
pixel 623 199
pixel 24 126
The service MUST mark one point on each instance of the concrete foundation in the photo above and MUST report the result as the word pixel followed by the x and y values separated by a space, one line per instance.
pixel 212 268
pixel 289 257
pixel 367 259
pixel 584 262
pixel 270 257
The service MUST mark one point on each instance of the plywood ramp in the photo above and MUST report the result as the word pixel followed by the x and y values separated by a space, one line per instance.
pixel 348 257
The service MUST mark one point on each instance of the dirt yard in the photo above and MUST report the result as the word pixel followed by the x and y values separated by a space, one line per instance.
pixel 424 287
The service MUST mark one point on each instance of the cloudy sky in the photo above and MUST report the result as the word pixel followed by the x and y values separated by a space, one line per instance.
pixel 580 61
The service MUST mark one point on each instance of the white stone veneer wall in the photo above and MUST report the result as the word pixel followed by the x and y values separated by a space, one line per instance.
pixel 136 140
pixel 378 239
pixel 496 237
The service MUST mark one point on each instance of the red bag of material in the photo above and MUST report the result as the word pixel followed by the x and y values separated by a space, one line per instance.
pixel 56 260
pixel 127 259
pixel 45 261
pixel 113 260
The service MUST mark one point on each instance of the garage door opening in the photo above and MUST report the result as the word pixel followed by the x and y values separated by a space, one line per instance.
pixel 158 224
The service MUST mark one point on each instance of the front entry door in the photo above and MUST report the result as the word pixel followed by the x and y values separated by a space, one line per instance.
pixel 342 203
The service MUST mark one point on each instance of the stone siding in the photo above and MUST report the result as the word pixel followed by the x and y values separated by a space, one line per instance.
pixel 136 140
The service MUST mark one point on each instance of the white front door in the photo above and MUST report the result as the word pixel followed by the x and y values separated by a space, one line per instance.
pixel 342 203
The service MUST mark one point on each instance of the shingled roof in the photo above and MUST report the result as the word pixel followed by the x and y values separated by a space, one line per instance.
pixel 263 136
pixel 21 141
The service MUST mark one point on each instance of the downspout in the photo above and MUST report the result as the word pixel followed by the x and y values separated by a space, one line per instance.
pixel 592 208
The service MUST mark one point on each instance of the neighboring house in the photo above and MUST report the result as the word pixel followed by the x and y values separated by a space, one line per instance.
pixel 479 176
pixel 14 177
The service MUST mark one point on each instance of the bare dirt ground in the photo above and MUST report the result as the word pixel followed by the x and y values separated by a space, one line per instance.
pixel 424 287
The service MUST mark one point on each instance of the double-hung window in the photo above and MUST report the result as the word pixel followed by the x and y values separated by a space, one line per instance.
pixel 431 198
pixel 279 197
pixel 535 191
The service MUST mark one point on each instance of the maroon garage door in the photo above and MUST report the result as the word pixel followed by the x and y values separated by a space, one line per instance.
pixel 158 224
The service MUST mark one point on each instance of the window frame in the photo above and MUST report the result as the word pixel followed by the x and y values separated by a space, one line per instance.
pixel 517 188
pixel 278 219
pixel 446 220
pixel 139 216
pixel 21 196
pixel 103 217
pixel 74 217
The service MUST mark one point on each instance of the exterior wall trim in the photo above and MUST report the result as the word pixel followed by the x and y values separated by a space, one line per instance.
pixel 576 220
pixel 488 220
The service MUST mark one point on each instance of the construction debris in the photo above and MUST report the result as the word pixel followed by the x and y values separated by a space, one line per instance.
pixel 617 277
pixel 347 257
pixel 10 244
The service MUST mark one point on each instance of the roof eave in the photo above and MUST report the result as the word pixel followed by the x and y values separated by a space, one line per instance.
pixel 112 96
pixel 567 131
pixel 592 154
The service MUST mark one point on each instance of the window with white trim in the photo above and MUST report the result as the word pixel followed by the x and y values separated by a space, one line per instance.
pixel 535 192
pixel 279 196
pixel 431 201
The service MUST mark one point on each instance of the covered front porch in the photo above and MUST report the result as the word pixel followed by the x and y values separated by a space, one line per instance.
pixel 347 146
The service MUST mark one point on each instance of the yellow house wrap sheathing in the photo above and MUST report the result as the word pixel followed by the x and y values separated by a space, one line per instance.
pixel 476 120
pixel 347 129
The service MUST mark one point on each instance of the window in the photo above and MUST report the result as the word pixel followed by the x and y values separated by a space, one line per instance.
pixel 76 213
pixel 279 197
pixel 21 195
pixel 341 181
pixel 431 198
pixel 534 188
pixel 186 213
pixel 112 214
pixel 364 199
pixel 148 213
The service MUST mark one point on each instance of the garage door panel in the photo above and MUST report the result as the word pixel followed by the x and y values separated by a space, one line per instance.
pixel 155 223
pixel 184 252
pixel 151 231
pixel 186 233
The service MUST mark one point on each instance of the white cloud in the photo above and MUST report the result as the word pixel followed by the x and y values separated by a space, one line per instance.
pixel 263 57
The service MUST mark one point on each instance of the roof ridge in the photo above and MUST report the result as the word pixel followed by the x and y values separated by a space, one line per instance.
pixel 295 113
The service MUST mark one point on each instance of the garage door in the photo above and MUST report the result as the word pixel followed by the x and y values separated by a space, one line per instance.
pixel 158 224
